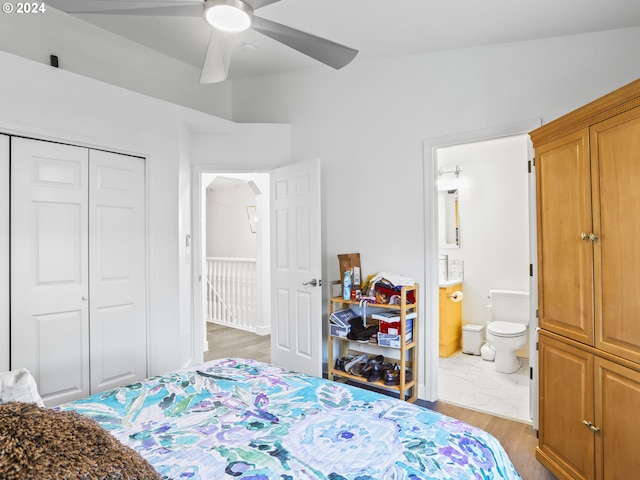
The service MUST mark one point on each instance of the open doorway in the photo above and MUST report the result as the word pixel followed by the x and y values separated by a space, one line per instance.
pixel 488 250
pixel 288 259
pixel 234 265
pixel 432 149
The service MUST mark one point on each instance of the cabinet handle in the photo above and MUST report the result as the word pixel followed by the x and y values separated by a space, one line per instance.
pixel 591 426
pixel 589 236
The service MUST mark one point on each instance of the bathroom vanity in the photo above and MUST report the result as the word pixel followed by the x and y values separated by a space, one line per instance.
pixel 450 338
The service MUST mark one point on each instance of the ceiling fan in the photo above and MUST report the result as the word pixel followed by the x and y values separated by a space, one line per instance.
pixel 229 17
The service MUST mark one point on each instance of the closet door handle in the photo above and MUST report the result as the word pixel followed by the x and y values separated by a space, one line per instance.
pixel 584 236
pixel 84 298
pixel 593 237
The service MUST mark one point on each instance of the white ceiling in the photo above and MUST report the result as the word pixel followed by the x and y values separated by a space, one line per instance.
pixel 377 28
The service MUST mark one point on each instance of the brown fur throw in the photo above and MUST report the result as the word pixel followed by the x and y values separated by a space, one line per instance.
pixel 42 444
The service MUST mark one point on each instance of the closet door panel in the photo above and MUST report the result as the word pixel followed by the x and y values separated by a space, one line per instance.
pixel 49 266
pixel 61 369
pixel 117 249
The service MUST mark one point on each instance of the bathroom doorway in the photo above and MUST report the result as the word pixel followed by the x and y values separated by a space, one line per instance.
pixel 488 171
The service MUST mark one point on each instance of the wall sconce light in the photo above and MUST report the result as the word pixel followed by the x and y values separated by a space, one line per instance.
pixel 457 171
pixel 253 219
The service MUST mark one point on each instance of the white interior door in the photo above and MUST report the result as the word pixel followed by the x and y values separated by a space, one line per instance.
pixel 49 266
pixel 117 269
pixel 296 320
pixel 4 255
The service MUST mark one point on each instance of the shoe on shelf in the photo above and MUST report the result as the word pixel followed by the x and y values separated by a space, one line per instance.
pixel 371 363
pixel 378 371
pixel 341 362
pixel 359 359
pixel 392 376
pixel 358 369
pixel 365 334
pixel 356 327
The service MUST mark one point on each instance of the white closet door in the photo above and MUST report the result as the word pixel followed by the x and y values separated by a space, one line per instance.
pixel 5 359
pixel 49 267
pixel 117 269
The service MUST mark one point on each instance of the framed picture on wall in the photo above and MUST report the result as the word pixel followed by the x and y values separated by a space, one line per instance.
pixel 251 213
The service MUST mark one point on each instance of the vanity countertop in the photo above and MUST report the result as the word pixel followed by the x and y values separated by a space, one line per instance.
pixel 450 283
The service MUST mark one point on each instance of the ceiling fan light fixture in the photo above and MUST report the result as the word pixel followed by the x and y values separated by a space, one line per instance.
pixel 231 16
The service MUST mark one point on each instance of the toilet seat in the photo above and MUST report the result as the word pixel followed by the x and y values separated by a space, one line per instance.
pixel 506 329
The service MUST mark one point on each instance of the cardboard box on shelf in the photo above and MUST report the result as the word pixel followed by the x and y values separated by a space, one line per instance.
pixel 389 323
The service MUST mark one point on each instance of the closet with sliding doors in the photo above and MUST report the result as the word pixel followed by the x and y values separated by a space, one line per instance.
pixel 588 206
pixel 78 267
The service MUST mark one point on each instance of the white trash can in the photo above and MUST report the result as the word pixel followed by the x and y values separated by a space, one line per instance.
pixel 472 338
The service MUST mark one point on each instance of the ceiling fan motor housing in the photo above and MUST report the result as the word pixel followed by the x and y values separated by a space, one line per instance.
pixel 228 15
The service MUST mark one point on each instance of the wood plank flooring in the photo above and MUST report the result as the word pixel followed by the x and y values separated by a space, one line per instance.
pixel 518 439
pixel 232 342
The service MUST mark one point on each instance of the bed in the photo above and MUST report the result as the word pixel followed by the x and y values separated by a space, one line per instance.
pixel 238 418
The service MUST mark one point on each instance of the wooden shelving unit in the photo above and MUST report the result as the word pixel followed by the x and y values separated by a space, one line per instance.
pixel 339 347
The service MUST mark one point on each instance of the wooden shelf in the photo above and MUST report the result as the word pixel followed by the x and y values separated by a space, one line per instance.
pixel 378 384
pixel 339 347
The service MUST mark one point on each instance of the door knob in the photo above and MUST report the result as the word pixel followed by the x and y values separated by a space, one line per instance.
pixel 313 283
pixel 84 298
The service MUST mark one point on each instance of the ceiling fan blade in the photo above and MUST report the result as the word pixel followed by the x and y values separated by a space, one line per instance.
pixel 216 61
pixel 256 4
pixel 173 9
pixel 325 51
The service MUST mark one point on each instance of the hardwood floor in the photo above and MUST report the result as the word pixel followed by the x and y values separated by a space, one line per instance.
pixel 518 439
pixel 232 342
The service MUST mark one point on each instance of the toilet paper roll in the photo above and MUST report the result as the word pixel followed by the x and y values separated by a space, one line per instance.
pixel 456 296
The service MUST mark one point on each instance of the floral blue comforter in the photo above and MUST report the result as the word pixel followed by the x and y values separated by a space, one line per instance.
pixel 237 418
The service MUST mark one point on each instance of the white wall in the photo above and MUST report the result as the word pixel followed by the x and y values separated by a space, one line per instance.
pixel 367 123
pixel 494 216
pixel 52 104
pixel 228 232
pixel 89 50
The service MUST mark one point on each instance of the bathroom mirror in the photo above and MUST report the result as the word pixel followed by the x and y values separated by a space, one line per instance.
pixel 449 218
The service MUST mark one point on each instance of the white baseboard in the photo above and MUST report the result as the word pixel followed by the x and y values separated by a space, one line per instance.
pixel 263 330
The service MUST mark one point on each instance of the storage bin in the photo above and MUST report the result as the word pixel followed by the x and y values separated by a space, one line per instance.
pixel 472 338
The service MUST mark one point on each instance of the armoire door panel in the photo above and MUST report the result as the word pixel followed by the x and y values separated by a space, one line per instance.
pixel 616 177
pixel 49 266
pixel 565 273
pixel 566 400
pixel 617 390
pixel 117 258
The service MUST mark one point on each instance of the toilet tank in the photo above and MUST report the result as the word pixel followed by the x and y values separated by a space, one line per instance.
pixel 509 306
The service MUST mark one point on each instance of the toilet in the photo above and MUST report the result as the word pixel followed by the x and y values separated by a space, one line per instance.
pixel 507 326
